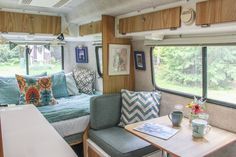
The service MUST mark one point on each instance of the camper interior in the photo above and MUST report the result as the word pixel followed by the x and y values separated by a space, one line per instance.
pixel 117 78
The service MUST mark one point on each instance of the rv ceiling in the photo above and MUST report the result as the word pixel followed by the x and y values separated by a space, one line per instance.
pixel 82 11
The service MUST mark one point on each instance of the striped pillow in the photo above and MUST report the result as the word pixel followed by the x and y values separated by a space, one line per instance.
pixel 138 106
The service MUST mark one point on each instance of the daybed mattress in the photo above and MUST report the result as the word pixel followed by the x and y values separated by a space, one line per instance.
pixel 67 108
pixel 71 126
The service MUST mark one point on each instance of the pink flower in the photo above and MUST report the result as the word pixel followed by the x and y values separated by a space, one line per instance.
pixel 197 109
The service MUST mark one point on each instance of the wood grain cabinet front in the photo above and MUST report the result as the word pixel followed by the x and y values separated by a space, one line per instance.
pixel 90 28
pixel 164 19
pixel 215 11
pixel 29 23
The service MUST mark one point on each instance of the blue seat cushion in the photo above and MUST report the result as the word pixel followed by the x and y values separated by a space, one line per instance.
pixel 117 142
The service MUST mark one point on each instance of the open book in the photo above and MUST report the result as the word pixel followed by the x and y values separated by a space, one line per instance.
pixel 157 130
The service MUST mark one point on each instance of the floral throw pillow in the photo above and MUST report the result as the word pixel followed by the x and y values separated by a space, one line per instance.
pixel 37 91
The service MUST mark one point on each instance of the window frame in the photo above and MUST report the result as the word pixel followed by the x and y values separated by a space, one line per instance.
pixel 204 81
pixel 97 61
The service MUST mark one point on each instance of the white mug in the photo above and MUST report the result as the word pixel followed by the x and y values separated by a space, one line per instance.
pixel 200 127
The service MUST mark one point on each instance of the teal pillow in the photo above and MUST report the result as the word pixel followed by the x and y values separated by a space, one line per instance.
pixel 59 87
pixel 9 91
pixel 71 84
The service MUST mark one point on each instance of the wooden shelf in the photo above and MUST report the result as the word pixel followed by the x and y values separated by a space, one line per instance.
pixel 215 11
pixel 164 19
pixel 90 28
pixel 29 23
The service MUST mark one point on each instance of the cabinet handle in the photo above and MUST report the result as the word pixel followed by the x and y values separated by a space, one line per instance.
pixel 144 19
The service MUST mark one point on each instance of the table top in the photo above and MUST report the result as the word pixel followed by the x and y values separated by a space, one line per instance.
pixel 183 144
pixel 26 133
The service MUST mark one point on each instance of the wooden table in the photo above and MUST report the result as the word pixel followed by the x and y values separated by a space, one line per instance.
pixel 183 144
pixel 26 133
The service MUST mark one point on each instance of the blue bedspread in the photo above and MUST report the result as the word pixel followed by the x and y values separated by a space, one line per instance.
pixel 67 108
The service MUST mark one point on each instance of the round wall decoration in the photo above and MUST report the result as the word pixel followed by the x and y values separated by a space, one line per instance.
pixel 188 16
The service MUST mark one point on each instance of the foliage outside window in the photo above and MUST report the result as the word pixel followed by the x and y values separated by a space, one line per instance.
pixel 180 69
pixel 12 61
pixel 40 60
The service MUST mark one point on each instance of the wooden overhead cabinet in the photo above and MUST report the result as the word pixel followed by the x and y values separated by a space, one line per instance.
pixel 215 11
pixel 29 23
pixel 90 28
pixel 164 19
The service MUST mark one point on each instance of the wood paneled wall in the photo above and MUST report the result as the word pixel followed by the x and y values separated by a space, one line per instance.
pixel 215 11
pixel 113 84
pixel 29 23
pixel 90 28
pixel 164 19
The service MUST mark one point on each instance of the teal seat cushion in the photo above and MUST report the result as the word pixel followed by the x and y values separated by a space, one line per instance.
pixel 117 142
pixel 9 91
pixel 105 111
pixel 59 87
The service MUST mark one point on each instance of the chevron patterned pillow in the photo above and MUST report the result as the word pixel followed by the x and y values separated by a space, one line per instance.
pixel 138 106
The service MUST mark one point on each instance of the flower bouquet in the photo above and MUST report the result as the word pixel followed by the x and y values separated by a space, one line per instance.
pixel 198 109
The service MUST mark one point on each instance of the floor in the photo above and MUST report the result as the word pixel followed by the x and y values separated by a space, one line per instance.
pixel 78 149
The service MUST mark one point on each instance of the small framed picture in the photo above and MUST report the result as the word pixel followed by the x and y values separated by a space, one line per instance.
pixel 81 54
pixel 119 59
pixel 139 58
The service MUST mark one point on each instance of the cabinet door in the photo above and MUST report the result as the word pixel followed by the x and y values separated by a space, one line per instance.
pixel 46 24
pixel 29 23
pixel 132 24
pixel 215 11
pixel 91 28
pixel 14 22
pixel 164 19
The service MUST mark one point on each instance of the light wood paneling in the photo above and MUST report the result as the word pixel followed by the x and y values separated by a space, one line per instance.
pixel 113 84
pixel 164 19
pixel 183 144
pixel 92 153
pixel 1 143
pixel 29 23
pixel 90 28
pixel 215 11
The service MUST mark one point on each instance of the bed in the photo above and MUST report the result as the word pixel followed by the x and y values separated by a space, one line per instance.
pixel 70 117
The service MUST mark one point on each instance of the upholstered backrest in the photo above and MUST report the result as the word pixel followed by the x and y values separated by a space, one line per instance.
pixel 105 111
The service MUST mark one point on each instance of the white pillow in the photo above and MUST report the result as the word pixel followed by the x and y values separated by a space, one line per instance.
pixel 71 84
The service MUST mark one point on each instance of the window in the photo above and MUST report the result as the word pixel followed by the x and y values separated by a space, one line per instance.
pixel 43 60
pixel 98 51
pixel 221 73
pixel 208 71
pixel 39 60
pixel 178 68
pixel 12 61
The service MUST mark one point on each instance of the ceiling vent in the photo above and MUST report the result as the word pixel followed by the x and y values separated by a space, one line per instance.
pixel 61 3
pixel 45 3
pixel 25 2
